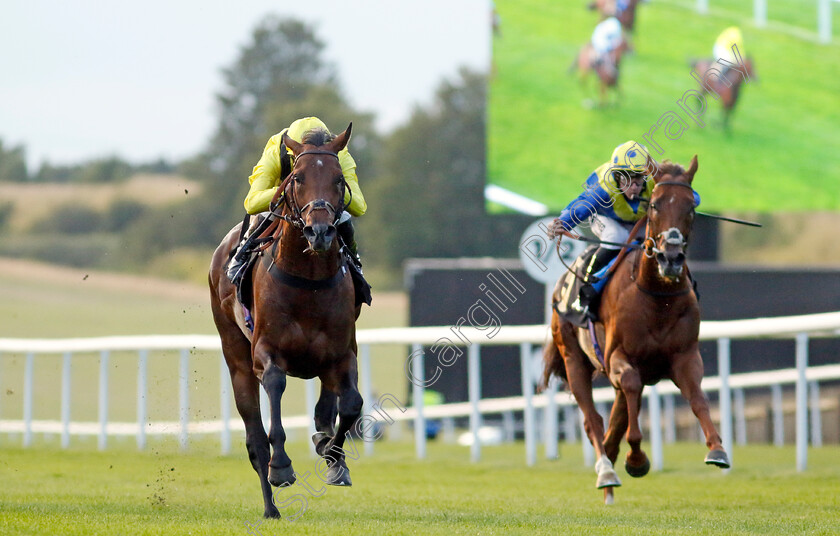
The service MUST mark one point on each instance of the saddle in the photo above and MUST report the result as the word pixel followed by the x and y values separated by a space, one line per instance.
pixel 568 289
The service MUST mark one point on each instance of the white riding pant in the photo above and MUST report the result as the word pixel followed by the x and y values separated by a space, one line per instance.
pixel 606 36
pixel 611 230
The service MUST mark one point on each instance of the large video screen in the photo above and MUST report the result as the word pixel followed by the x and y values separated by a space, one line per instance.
pixel 548 130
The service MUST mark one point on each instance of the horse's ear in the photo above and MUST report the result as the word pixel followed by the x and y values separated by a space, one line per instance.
pixel 692 169
pixel 296 147
pixel 340 141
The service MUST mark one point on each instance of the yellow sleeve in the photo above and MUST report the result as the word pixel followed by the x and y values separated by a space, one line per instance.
pixel 357 206
pixel 265 178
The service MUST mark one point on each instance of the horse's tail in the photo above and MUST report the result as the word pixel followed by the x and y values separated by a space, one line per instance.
pixel 552 364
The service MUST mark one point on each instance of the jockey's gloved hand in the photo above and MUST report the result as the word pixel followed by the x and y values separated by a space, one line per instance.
pixel 556 229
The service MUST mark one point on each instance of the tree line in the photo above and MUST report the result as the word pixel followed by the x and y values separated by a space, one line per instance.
pixel 423 182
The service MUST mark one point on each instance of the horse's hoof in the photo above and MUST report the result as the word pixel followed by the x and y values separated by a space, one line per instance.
pixel 272 513
pixel 637 471
pixel 717 457
pixel 320 440
pixel 339 474
pixel 281 476
pixel 607 479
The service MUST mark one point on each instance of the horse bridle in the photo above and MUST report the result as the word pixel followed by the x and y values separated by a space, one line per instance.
pixel 299 213
pixel 673 236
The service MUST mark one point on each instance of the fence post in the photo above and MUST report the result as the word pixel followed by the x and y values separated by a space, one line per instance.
pixel 528 394
pixel 655 428
pixel 474 388
pixel 103 399
pixel 224 403
pixel 670 419
pixel 309 386
pixel 417 400
pixel 551 427
pixel 824 20
pixel 801 402
pixel 569 428
pixel 65 399
pixel 725 395
pixel 28 380
pixel 740 418
pixel 184 397
pixel 367 396
pixel 142 413
pixel 816 415
pixel 778 415
pixel 760 13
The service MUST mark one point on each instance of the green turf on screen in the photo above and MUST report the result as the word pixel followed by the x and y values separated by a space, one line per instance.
pixel 780 154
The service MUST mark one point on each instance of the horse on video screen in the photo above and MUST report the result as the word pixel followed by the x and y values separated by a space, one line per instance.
pixel 727 88
pixel 649 322
pixel 606 66
pixel 304 316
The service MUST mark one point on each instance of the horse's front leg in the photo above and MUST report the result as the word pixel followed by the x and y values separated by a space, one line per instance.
pixel 686 373
pixel 617 426
pixel 280 472
pixel 326 411
pixel 627 378
pixel 345 384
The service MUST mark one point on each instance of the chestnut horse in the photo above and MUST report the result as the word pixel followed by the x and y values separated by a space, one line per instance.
pixel 727 89
pixel 304 317
pixel 606 67
pixel 648 328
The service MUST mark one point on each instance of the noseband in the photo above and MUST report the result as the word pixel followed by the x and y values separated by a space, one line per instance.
pixel 299 213
pixel 673 236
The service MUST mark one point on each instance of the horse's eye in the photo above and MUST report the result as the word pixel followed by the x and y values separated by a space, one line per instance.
pixel 653 206
pixel 338 180
pixel 297 178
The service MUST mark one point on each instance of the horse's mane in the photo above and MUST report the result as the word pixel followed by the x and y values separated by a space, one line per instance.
pixel 317 137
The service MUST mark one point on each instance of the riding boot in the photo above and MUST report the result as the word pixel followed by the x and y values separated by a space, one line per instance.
pixel 347 234
pixel 239 261
pixel 587 294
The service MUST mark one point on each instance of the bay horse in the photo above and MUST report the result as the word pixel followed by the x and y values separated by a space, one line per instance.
pixel 728 88
pixel 649 322
pixel 304 316
pixel 606 67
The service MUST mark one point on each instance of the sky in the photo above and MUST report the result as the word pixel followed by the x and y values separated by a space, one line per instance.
pixel 84 79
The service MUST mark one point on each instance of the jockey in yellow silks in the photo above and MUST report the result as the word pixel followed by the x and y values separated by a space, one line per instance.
pixel 616 197
pixel 723 45
pixel 266 178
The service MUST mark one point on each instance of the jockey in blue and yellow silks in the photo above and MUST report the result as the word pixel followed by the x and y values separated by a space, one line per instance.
pixel 616 197
pixel 266 178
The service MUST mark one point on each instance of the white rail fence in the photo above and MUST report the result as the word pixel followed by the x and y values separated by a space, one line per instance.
pixel 528 338
pixel 823 15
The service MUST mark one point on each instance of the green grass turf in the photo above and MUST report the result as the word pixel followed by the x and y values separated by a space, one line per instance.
pixel 160 491
pixel 778 156
pixel 66 304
